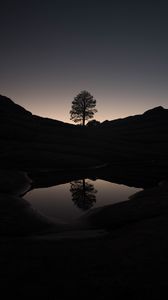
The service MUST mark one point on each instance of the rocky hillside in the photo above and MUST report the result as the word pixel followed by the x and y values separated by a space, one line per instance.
pixel 137 142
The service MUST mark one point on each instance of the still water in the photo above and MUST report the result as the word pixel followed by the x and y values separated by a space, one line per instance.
pixel 68 201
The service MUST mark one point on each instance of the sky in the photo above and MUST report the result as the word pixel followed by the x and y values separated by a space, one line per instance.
pixel 116 50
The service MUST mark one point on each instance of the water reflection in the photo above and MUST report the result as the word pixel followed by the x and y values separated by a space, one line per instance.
pixel 83 194
pixel 71 200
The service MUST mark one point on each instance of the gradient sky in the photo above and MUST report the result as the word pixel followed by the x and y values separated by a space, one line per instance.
pixel 117 50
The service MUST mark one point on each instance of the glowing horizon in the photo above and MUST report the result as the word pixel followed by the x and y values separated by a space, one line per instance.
pixel 58 109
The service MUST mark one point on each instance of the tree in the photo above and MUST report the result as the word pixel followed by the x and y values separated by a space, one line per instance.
pixel 83 107
pixel 83 194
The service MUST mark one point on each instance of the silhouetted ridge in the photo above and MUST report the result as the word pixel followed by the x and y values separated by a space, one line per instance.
pixel 10 110
pixel 32 142
pixel 7 106
pixel 157 113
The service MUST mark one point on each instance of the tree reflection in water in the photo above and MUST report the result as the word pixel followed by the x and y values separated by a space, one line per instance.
pixel 83 194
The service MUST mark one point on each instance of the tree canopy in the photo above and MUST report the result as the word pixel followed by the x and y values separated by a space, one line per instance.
pixel 83 107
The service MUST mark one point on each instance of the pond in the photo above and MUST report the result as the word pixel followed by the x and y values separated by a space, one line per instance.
pixel 66 202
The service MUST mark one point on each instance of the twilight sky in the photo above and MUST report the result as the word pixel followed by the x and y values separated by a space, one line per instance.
pixel 117 50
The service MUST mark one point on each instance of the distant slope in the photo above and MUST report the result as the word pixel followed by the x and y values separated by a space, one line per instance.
pixel 153 115
pixel 8 107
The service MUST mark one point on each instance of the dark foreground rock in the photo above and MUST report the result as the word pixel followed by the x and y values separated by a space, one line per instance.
pixel 147 204
pixel 129 263
pixel 17 217
pixel 14 182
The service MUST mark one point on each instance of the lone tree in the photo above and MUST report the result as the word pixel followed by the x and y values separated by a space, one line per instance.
pixel 83 107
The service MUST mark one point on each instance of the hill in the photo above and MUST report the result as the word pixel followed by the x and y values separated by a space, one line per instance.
pixel 136 144
pixel 155 116
pixel 7 106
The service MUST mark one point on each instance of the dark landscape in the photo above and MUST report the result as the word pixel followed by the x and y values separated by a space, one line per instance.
pixel 83 150
pixel 119 249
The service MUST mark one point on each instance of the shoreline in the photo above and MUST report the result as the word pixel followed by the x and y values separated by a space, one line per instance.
pixel 144 204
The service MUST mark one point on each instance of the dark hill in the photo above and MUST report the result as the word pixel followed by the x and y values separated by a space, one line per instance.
pixel 138 143
pixel 153 115
pixel 156 111
pixel 8 107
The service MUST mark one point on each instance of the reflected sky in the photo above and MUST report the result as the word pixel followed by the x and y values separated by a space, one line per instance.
pixel 58 201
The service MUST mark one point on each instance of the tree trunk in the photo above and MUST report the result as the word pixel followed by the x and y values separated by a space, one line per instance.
pixel 83 121
pixel 84 108
pixel 84 189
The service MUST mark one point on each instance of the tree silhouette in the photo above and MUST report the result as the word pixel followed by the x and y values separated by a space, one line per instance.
pixel 83 107
pixel 83 194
